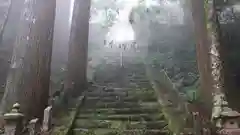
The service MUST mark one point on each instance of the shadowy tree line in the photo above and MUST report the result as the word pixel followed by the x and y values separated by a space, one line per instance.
pixel 28 77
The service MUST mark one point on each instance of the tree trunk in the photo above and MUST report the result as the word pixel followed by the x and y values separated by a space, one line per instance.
pixel 202 50
pixel 216 55
pixel 29 75
pixel 78 46
pixel 5 8
pixel 210 51
pixel 214 34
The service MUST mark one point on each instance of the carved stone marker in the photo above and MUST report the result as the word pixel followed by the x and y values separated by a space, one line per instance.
pixel 14 121
pixel 47 119
pixel 230 118
pixel 34 127
pixel 206 131
pixel 196 123
pixel 229 122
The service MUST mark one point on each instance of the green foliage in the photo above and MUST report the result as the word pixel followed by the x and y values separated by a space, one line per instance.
pixel 64 120
pixel 62 130
pixel 90 132
pixel 175 123
pixel 192 92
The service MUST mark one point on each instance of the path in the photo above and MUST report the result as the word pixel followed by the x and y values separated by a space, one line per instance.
pixel 129 109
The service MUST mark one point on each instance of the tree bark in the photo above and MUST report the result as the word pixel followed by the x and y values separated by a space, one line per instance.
pixel 203 57
pixel 5 8
pixel 78 46
pixel 209 51
pixel 214 34
pixel 29 75
pixel 216 55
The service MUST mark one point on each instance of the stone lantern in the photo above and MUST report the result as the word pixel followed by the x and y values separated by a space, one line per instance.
pixel 14 121
pixel 229 118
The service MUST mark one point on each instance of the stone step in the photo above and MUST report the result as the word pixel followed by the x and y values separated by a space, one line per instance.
pixel 105 94
pixel 142 76
pixel 111 88
pixel 122 110
pixel 118 90
pixel 106 131
pixel 146 125
pixel 142 85
pixel 93 104
pixel 90 124
pixel 139 79
pixel 123 117
pixel 139 75
pixel 135 98
pixel 90 105
pixel 139 82
pixel 148 93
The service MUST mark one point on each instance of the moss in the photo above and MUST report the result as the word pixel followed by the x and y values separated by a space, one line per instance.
pixel 64 122
pixel 116 124
pixel 90 132
pixel 163 86
pixel 62 130
pixel 174 120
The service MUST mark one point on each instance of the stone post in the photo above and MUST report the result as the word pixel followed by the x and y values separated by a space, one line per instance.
pixel 34 126
pixel 14 121
pixel 206 131
pixel 196 123
pixel 47 119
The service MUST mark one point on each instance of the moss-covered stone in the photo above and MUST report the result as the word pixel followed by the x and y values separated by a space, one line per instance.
pixel 64 120
pixel 63 124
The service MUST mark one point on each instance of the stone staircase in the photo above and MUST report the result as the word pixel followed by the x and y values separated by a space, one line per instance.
pixel 129 110
pixel 120 111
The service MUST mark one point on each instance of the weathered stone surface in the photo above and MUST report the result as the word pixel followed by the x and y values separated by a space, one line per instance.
pixel 14 121
pixel 34 126
pixel 47 119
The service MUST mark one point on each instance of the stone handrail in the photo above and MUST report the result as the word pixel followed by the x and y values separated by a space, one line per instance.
pixel 14 123
pixel 225 121
pixel 173 106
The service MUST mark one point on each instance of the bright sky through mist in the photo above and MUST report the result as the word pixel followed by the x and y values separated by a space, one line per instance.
pixel 121 31
pixel 71 12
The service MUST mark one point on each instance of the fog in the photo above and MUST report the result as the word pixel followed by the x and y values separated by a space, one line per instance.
pixel 114 40
pixel 61 33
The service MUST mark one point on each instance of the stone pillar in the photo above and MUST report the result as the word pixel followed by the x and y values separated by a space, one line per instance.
pixel 196 123
pixel 14 121
pixel 47 119
pixel 34 127
pixel 206 131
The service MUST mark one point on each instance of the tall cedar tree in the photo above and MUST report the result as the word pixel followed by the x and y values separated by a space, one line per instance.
pixel 29 75
pixel 202 50
pixel 209 52
pixel 5 8
pixel 78 46
pixel 214 36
